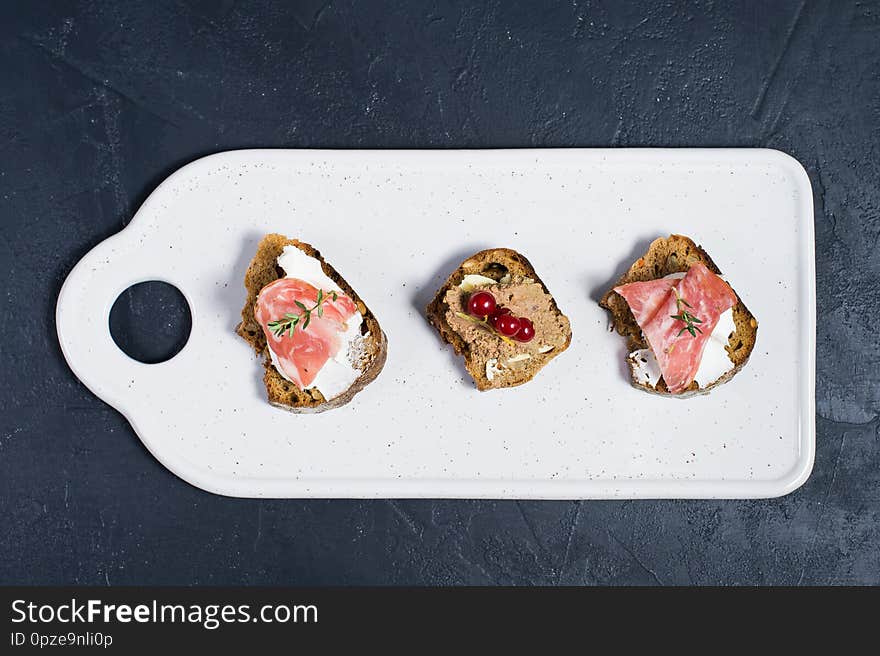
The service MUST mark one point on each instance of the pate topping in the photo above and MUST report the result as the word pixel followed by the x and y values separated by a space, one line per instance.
pixel 524 297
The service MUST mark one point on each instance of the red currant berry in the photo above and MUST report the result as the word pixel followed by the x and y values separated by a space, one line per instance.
pixel 481 304
pixel 526 331
pixel 493 318
pixel 508 325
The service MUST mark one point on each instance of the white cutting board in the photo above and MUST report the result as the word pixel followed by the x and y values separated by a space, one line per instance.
pixel 395 224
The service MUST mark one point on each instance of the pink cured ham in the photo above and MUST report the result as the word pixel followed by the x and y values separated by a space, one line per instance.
pixel 645 298
pixel 654 303
pixel 302 355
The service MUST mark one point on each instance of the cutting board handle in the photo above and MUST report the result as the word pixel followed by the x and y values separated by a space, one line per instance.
pixel 82 316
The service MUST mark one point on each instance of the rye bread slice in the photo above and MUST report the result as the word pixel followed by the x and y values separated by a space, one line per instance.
pixel 675 254
pixel 281 392
pixel 512 273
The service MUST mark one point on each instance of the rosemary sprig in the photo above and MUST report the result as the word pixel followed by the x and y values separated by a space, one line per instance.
pixel 683 315
pixel 485 323
pixel 289 322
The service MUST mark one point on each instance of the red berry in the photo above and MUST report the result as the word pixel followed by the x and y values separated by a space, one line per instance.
pixel 493 318
pixel 508 325
pixel 526 331
pixel 481 304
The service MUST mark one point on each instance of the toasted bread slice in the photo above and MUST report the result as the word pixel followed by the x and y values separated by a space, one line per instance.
pixel 282 393
pixel 492 361
pixel 675 254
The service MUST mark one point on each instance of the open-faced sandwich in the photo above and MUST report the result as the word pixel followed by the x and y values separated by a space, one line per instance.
pixel 497 313
pixel 687 330
pixel 320 343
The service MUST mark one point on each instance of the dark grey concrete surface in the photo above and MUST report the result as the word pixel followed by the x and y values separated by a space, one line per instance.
pixel 99 101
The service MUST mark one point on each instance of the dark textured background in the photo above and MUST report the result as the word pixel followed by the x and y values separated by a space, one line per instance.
pixel 99 101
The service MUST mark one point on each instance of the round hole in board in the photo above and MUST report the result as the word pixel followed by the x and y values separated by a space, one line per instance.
pixel 150 321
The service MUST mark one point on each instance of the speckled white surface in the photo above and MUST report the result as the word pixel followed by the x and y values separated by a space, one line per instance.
pixel 395 224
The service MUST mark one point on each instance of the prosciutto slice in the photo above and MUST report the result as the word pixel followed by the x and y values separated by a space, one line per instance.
pixel 645 298
pixel 654 303
pixel 302 355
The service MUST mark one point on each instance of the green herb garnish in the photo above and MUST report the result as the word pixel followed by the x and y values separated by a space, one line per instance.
pixel 290 321
pixel 685 316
